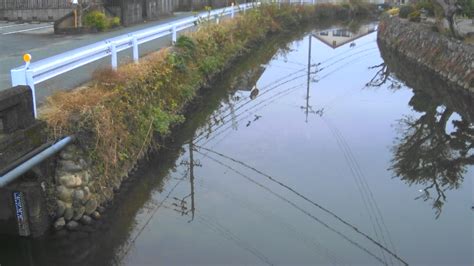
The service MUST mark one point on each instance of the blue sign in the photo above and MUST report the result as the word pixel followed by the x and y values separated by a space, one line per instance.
pixel 21 214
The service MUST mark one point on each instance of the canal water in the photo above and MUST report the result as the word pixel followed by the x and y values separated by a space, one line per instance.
pixel 320 148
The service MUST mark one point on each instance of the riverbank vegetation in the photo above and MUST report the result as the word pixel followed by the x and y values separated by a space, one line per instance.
pixel 442 13
pixel 120 114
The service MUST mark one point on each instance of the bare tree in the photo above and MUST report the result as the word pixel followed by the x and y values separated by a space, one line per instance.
pixel 450 8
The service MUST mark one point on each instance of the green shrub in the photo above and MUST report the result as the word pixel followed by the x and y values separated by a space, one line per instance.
pixel 406 10
pixel 426 5
pixel 115 22
pixel 97 20
pixel 414 16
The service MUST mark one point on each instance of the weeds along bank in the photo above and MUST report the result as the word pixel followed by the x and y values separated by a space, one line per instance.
pixel 121 114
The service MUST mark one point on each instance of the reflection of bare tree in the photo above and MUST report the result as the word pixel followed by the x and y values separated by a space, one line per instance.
pixel 435 149
pixel 383 76
pixel 429 155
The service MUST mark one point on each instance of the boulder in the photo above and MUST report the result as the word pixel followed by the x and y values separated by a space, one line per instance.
pixel 91 206
pixel 70 166
pixel 64 194
pixel 72 226
pixel 78 213
pixel 68 213
pixel 59 224
pixel 86 220
pixel 96 215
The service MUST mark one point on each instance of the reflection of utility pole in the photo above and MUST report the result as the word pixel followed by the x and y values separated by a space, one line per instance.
pixel 191 177
pixel 309 77
pixel 181 203
pixel 308 108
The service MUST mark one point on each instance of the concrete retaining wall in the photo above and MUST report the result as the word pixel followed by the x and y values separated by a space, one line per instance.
pixel 187 5
pixel 451 59
pixel 34 14
pixel 137 11
pixel 23 208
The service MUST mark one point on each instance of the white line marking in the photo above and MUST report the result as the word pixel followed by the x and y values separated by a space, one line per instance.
pixel 16 25
pixel 13 32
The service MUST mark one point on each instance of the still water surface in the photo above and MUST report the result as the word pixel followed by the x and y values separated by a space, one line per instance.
pixel 308 152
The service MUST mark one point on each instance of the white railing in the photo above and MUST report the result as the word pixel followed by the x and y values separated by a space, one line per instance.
pixel 45 69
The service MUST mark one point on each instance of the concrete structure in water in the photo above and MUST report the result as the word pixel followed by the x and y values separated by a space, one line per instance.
pixel 22 203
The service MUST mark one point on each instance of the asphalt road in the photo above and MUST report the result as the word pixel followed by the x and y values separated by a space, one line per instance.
pixel 39 40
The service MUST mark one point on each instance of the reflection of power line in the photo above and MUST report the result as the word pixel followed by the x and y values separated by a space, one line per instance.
pixel 226 233
pixel 308 200
pixel 367 202
pixel 307 213
pixel 320 112
pixel 360 189
pixel 277 83
pixel 129 246
pixel 268 215
pixel 281 81
pixel 273 99
pixel 362 184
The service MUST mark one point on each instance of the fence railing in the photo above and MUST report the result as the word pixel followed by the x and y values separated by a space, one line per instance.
pixel 34 73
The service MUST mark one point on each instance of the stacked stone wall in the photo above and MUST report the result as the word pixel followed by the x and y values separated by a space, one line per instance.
pixel 450 58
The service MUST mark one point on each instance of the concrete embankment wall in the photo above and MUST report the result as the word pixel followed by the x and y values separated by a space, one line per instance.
pixel 451 59
pixel 35 10
pixel 34 14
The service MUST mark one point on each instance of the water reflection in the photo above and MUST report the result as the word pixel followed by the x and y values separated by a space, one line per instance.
pixel 177 212
pixel 435 148
pixel 110 240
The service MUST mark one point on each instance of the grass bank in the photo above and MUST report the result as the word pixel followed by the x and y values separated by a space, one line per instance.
pixel 121 114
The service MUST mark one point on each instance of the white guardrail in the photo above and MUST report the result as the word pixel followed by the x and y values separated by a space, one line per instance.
pixel 34 73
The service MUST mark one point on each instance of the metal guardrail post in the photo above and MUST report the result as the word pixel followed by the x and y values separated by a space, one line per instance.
pixel 31 83
pixel 113 51
pixel 136 55
pixel 232 14
pixel 174 35
pixel 24 76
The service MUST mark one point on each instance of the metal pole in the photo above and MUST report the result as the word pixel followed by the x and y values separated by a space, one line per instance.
pixel 26 166
pixel 113 50
pixel 232 14
pixel 174 35
pixel 31 83
pixel 136 55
